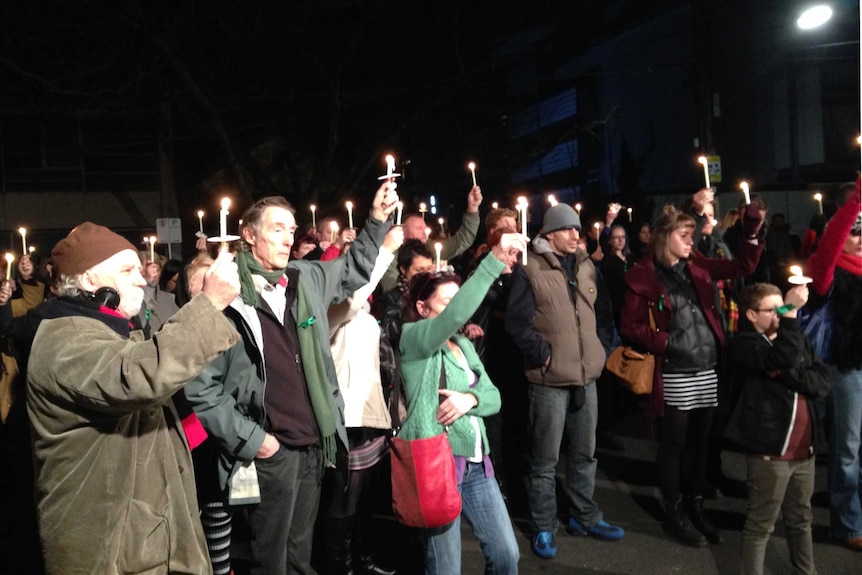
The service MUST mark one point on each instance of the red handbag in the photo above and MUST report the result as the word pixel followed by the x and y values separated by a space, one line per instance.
pixel 424 485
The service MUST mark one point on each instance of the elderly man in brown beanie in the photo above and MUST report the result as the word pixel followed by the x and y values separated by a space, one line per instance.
pixel 114 482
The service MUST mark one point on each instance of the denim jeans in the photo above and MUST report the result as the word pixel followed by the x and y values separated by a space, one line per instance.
pixel 550 419
pixel 845 489
pixel 483 507
pixel 778 487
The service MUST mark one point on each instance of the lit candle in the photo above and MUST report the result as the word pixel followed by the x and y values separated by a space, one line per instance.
pixel 472 167
pixel 349 206
pixel 744 187
pixel 23 232
pixel 422 209
pixel 427 233
pixel 152 248
pixel 578 207
pixel 495 205
pixel 9 259
pixel 201 221
pixel 390 165
pixel 522 204
pixel 333 232
pixel 598 226
pixel 31 249
pixel 796 277
pixel 552 200
pixel 399 207
pixel 441 221
pixel 629 212
pixel 703 160
pixel 438 247
pixel 313 209
pixel 819 197
pixel 222 217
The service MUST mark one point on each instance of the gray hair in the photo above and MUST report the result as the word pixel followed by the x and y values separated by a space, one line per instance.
pixel 69 286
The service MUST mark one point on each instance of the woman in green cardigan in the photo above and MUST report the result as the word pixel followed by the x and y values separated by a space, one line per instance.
pixel 437 309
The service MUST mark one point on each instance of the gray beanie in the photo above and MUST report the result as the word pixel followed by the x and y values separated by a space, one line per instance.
pixel 560 217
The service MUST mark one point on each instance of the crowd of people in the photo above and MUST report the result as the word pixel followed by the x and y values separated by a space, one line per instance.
pixel 149 405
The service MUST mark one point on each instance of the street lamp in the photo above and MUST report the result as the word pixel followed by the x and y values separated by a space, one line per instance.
pixel 814 17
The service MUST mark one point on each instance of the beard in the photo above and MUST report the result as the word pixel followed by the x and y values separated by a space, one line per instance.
pixel 131 302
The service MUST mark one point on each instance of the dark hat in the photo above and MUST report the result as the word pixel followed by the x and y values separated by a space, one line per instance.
pixel 560 217
pixel 86 246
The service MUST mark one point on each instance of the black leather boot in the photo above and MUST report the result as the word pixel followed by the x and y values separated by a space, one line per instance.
pixel 363 561
pixel 680 527
pixel 701 521
pixel 338 532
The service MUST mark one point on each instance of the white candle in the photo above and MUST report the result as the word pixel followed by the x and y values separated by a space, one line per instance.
pixel 399 207
pixel 472 167
pixel 222 217
pixel 422 209
pixel 522 204
pixel 201 221
pixel 427 233
pixel 390 165
pixel 438 247
pixel 629 212
pixel 598 226
pixel 744 187
pixel 333 232
pixel 9 259
pixel 796 277
pixel 819 197
pixel 578 208
pixel 152 248
pixel 23 232
pixel 349 206
pixel 313 209
pixel 703 160
pixel 441 221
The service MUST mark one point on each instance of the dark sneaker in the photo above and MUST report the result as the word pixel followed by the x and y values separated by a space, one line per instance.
pixel 544 545
pixel 601 530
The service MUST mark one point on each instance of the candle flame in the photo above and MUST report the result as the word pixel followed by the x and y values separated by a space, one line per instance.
pixel 552 200
pixel 22 231
pixel 440 221
pixel 743 186
pixel 9 258
pixel 31 249
pixel 200 213
pixel 438 247
pixel 348 205
pixel 796 270
pixel 818 196
pixel 312 207
pixel 578 207
pixel 495 205
pixel 702 160
pixel 333 226
pixel 522 201
pixel 153 239
pixel 471 166
pixel 225 203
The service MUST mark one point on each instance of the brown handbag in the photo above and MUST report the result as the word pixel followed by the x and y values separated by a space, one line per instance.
pixel 634 369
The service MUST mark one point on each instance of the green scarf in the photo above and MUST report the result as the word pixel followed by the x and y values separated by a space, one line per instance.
pixel 248 266
pixel 316 380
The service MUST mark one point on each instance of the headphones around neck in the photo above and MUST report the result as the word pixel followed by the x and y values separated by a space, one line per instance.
pixel 105 296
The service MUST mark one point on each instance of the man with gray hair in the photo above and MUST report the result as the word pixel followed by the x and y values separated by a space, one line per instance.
pixel 114 483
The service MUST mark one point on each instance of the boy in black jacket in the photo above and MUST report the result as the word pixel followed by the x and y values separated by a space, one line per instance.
pixel 775 420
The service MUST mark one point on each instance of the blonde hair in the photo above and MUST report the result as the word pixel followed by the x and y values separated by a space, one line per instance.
pixel 670 220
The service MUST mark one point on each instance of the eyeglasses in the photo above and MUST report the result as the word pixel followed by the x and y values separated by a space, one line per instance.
pixel 771 310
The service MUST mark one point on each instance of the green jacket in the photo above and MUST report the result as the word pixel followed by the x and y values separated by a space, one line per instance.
pixel 424 350
pixel 114 478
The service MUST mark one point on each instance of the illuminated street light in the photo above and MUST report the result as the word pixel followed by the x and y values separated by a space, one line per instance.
pixel 814 17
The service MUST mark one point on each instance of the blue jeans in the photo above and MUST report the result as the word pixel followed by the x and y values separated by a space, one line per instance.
pixel 483 507
pixel 550 418
pixel 845 489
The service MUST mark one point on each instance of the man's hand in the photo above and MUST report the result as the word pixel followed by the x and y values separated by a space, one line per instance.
pixel 474 200
pixel 346 236
pixel 454 406
pixel 385 200
pixel 269 448
pixel 393 240
pixel 201 243
pixel 701 198
pixel 473 331
pixel 798 297
pixel 5 292
pixel 25 267
pixel 221 281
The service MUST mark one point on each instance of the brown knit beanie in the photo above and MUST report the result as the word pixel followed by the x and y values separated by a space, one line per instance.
pixel 86 246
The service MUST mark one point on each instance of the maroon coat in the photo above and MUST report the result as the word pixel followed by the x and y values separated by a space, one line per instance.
pixel 644 291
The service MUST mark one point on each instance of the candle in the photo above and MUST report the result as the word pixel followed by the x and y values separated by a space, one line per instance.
pixel 441 221
pixel 598 226
pixel 399 206
pixel 629 212
pixel 703 160
pixel 796 277
pixel 9 259
pixel 422 209
pixel 744 187
pixel 495 205
pixel 438 247
pixel 472 167
pixel 313 209
pixel 23 232
pixel 222 217
pixel 152 248
pixel 522 205
pixel 349 206
pixel 578 208
pixel 201 221
pixel 427 233
pixel 552 200
pixel 390 165
pixel 31 249
pixel 333 232
pixel 819 197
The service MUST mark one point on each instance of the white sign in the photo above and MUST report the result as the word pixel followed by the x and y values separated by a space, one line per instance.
pixel 169 230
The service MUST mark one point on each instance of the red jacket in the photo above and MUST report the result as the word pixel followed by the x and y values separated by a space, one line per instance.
pixel 644 291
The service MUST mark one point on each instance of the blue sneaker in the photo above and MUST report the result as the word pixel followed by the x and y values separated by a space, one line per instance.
pixel 601 530
pixel 544 545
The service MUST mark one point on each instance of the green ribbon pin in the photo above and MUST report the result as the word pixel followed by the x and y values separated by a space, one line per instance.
pixel 309 322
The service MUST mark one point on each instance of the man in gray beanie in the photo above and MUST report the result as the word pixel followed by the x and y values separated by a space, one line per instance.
pixel 114 482
pixel 560 317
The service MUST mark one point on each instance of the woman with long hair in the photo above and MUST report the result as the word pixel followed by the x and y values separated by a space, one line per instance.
pixel 675 285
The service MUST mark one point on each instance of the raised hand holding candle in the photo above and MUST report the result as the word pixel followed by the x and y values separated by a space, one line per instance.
pixel 349 206
pixel 745 192
pixel 819 197
pixel 472 167
pixel 796 277
pixel 9 259
pixel 438 247
pixel 702 160
pixel 399 208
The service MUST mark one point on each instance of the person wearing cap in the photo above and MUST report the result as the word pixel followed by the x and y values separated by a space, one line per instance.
pixel 560 316
pixel 115 489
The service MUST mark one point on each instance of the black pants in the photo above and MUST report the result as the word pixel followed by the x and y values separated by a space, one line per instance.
pixel 682 449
